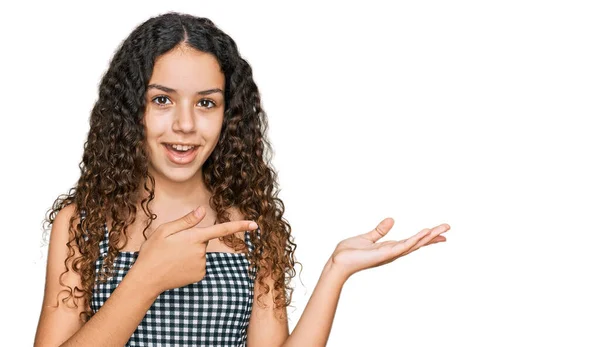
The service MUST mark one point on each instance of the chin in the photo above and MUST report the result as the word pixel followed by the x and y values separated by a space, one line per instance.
pixel 179 175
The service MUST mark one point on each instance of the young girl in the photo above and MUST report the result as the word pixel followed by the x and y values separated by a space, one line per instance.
pixel 174 235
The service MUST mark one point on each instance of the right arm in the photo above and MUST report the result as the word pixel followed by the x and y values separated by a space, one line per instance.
pixel 175 256
pixel 115 321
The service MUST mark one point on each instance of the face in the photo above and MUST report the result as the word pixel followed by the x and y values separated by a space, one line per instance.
pixel 184 113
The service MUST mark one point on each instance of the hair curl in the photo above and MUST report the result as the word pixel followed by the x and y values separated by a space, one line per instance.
pixel 238 171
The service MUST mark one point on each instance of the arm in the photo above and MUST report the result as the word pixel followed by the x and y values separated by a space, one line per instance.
pixel 314 325
pixel 268 328
pixel 112 325
pixel 118 318
pixel 350 256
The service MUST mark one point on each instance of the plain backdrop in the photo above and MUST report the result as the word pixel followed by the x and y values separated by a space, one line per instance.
pixel 478 114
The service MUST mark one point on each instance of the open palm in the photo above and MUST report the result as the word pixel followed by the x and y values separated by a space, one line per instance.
pixel 363 251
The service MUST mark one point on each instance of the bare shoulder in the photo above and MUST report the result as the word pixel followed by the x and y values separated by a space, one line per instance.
pixel 64 216
pixel 58 320
pixel 59 235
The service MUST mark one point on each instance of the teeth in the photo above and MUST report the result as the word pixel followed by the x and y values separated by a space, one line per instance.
pixel 182 147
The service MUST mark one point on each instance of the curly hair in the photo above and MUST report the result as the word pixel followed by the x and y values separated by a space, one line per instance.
pixel 237 173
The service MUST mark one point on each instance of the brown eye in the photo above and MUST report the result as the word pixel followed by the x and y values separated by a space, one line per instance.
pixel 161 100
pixel 207 103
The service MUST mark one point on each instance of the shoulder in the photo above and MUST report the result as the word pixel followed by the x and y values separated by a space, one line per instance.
pixel 60 235
pixel 63 218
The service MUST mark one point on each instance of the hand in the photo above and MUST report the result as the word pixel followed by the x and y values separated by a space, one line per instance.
pixel 362 252
pixel 174 255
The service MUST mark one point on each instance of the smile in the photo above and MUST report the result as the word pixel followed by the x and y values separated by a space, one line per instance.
pixel 181 148
pixel 181 154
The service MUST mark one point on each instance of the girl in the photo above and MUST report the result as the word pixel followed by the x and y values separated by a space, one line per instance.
pixel 178 127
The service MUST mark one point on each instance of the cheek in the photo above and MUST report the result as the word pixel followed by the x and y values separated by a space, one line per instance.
pixel 154 126
pixel 216 131
pixel 209 126
pixel 214 127
pixel 211 131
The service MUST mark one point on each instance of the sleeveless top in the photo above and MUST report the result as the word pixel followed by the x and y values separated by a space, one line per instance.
pixel 212 312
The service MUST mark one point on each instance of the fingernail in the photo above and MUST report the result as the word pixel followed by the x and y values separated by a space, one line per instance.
pixel 197 212
pixel 253 225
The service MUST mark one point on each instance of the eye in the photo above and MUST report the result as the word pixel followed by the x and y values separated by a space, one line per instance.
pixel 207 103
pixel 161 99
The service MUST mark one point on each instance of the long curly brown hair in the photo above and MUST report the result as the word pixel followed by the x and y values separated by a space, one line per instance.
pixel 238 172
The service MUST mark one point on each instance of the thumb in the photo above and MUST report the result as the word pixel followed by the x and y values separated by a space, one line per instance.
pixel 189 220
pixel 380 230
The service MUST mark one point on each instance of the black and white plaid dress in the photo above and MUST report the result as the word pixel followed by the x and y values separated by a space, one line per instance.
pixel 212 312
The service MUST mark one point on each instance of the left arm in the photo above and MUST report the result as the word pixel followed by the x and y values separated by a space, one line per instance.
pixel 351 255
pixel 314 325
pixel 266 328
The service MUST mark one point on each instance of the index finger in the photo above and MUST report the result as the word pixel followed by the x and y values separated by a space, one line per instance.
pixel 223 229
pixel 185 222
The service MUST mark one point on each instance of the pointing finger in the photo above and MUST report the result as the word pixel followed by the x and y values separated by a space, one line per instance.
pixel 223 229
pixel 185 222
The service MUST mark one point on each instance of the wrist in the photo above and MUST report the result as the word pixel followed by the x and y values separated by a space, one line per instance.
pixel 146 284
pixel 335 271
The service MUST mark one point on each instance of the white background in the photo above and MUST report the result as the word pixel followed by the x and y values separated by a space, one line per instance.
pixel 478 114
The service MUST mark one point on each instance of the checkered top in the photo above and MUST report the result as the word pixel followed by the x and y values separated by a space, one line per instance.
pixel 212 312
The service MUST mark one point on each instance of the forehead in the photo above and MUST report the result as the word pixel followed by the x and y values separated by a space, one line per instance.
pixel 187 70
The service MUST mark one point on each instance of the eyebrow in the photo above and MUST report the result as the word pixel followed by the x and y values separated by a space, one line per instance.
pixel 171 90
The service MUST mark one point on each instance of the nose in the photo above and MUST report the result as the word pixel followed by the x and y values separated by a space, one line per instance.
pixel 184 119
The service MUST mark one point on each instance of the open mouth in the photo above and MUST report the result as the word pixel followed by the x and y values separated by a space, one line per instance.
pixel 181 154
pixel 180 148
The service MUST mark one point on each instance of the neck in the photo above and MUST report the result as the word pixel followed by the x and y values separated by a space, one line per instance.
pixel 188 195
